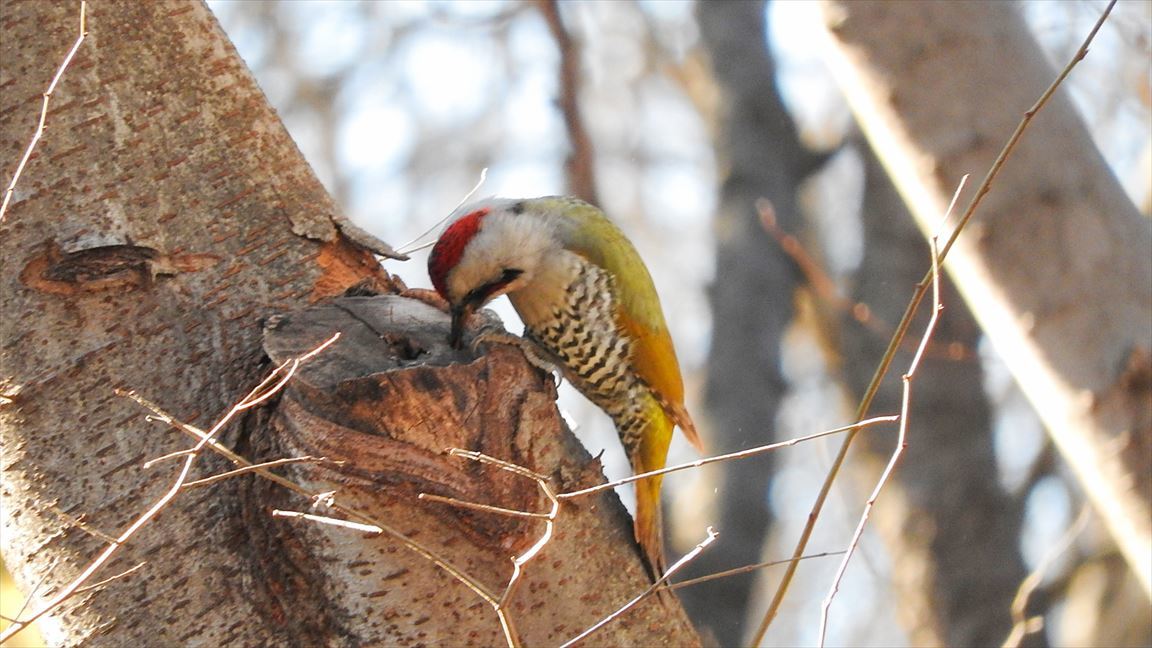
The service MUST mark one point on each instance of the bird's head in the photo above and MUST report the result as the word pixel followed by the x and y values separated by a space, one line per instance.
pixel 491 247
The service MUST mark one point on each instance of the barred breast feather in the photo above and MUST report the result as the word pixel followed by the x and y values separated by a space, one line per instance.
pixel 582 332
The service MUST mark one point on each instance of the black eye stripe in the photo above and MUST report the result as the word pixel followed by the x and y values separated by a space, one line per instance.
pixel 480 294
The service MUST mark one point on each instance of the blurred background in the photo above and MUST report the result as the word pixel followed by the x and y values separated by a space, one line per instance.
pixel 399 105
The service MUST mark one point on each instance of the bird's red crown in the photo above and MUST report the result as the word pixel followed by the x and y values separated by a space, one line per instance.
pixel 448 250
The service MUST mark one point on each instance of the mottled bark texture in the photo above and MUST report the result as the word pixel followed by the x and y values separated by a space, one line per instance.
pixel 952 531
pixel 1055 265
pixel 387 400
pixel 166 216
pixel 760 156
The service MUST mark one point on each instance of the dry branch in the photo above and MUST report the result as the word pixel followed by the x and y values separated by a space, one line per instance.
pixel 580 164
pixel 684 560
pixel 901 442
pixel 44 111
pixel 1024 625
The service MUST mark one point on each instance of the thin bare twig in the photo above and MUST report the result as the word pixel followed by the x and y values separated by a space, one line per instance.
pixel 44 110
pixel 171 455
pixel 323 519
pixel 687 558
pixel 827 291
pixel 35 588
pixel 742 454
pixel 499 463
pixel 1022 624
pixel 511 635
pixel 736 571
pixel 901 442
pixel 137 567
pixel 262 391
pixel 80 523
pixel 415 244
pixel 906 320
pixel 487 508
pixel 257 468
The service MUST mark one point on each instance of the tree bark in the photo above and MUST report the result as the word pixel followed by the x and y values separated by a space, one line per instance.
pixel 164 218
pixel 388 399
pixel 759 150
pixel 1055 265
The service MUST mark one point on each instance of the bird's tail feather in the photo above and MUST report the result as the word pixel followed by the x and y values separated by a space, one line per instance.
pixel 649 454
pixel 649 525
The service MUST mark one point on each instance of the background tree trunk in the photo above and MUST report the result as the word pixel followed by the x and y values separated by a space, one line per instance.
pixel 166 215
pixel 1055 265
pixel 952 530
pixel 760 152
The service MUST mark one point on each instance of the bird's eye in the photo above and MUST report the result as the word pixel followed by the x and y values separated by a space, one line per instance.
pixel 485 292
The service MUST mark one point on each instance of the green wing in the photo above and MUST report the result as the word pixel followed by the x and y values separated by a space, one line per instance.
pixel 587 231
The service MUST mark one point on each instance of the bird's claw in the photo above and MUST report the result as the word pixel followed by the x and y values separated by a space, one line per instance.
pixel 531 351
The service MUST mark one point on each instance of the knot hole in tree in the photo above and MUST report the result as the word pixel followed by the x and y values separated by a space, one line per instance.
pixel 388 398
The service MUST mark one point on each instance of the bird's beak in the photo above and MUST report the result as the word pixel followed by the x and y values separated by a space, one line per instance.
pixel 460 314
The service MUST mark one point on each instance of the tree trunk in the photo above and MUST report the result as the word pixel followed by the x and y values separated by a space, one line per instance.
pixel 759 150
pixel 1055 265
pixel 164 218
pixel 953 531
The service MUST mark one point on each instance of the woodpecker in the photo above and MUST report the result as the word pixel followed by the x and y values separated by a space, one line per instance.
pixel 589 308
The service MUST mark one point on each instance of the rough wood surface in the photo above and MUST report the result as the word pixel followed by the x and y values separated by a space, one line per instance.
pixel 164 218
pixel 164 213
pixel 388 398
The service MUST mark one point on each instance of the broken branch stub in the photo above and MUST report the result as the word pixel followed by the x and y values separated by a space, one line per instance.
pixel 388 398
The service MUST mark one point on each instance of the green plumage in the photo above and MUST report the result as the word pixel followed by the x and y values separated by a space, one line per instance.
pixel 588 302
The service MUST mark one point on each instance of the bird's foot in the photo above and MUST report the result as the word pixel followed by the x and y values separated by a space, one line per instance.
pixel 531 352
pixel 430 297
